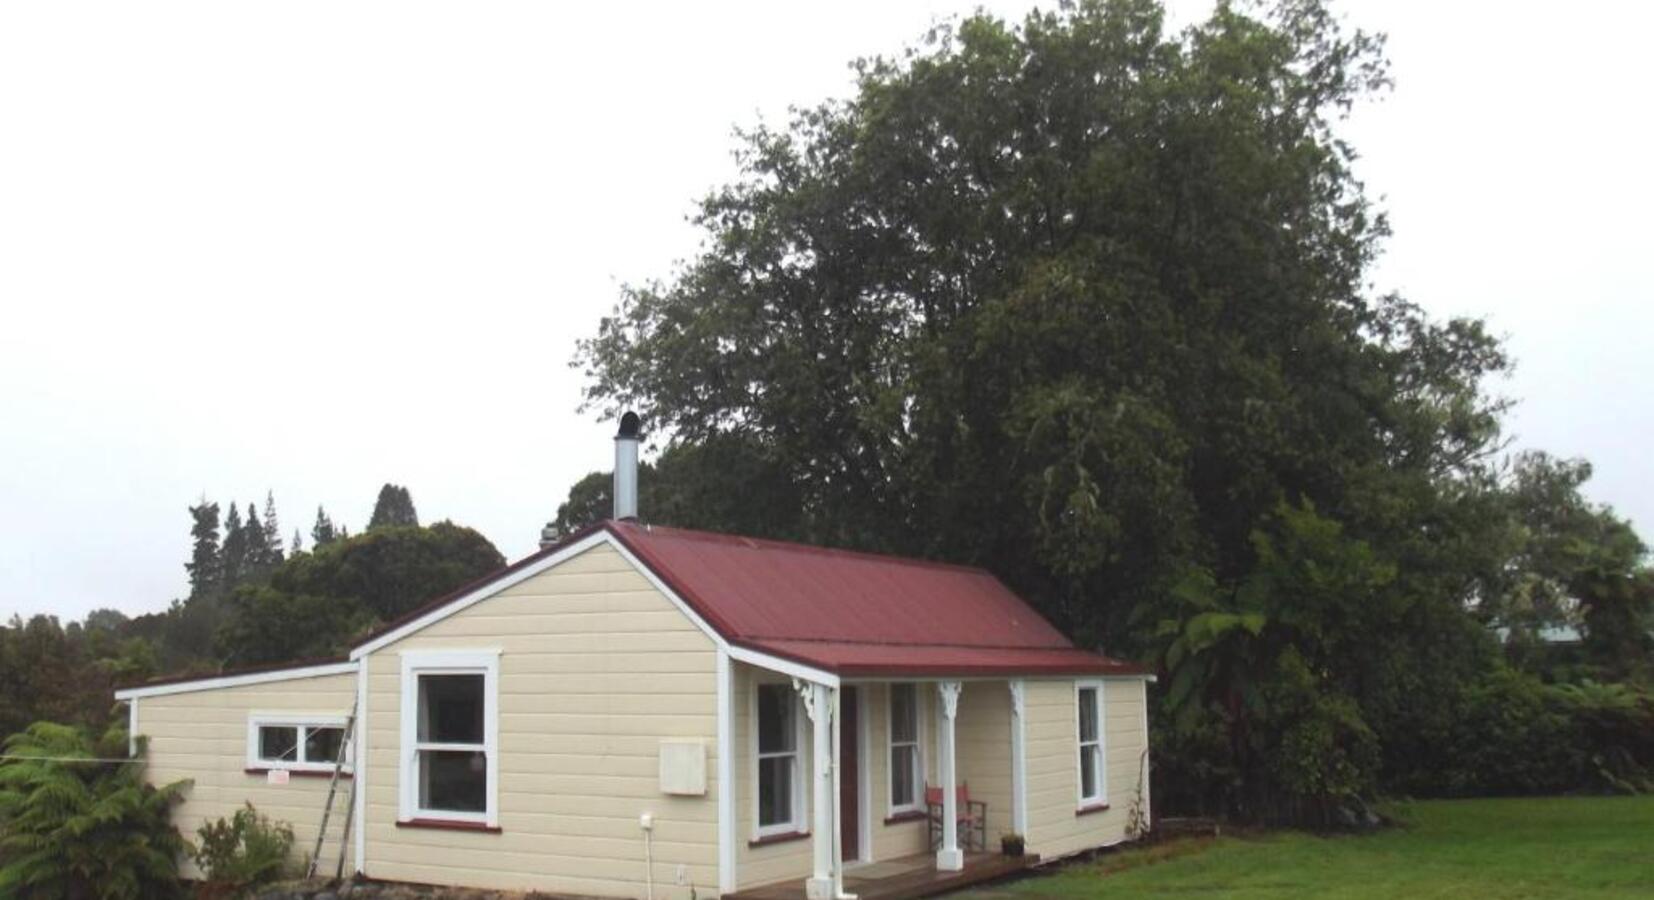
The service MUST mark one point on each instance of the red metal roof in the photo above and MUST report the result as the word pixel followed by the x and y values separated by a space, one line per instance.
pixel 854 614
pixel 857 613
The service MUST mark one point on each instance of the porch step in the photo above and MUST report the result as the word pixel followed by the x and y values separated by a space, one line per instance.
pixel 909 878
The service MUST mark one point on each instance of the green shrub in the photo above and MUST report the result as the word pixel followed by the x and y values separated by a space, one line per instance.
pixel 83 830
pixel 1615 726
pixel 243 852
pixel 1517 735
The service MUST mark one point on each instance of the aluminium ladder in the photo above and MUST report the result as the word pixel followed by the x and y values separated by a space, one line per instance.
pixel 345 746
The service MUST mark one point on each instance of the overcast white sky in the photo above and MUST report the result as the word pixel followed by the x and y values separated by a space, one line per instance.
pixel 315 246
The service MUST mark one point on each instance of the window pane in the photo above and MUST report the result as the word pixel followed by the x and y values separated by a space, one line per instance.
pixel 453 780
pixel 776 732
pixel 1088 771
pixel 901 775
pixel 323 744
pixel 775 790
pixel 278 742
pixel 904 713
pixel 450 709
pixel 1088 714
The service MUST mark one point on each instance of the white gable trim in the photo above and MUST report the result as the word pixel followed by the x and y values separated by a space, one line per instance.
pixel 214 682
pixel 601 536
pixel 480 594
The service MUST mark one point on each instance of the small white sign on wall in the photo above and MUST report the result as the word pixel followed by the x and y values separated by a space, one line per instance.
pixel 683 768
pixel 276 776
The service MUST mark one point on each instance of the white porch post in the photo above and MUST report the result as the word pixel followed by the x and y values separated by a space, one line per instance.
pixel 1019 758
pixel 818 704
pixel 949 858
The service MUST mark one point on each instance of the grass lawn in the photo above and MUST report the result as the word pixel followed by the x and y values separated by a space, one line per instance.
pixel 1460 849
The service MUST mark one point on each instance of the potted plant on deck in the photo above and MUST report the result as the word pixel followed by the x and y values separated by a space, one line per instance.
pixel 1011 844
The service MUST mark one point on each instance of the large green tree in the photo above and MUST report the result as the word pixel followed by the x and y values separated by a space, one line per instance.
pixel 318 603
pixel 1087 302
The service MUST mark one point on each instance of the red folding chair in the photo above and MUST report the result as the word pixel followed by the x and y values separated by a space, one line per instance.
pixel 972 821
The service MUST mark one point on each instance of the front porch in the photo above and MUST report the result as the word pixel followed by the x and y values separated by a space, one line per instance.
pixel 877 787
pixel 901 879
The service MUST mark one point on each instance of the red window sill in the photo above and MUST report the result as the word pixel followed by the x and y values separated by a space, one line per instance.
pixel 912 815
pixel 778 838
pixel 296 773
pixel 448 825
pixel 1093 808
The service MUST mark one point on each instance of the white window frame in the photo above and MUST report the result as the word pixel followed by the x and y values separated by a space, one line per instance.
pixel 1101 797
pixel 801 740
pixel 303 722
pixel 449 662
pixel 919 773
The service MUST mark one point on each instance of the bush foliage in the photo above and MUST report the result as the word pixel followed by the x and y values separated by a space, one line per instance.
pixel 83 830
pixel 243 851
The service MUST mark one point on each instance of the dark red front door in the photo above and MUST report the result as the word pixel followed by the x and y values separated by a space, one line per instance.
pixel 849 778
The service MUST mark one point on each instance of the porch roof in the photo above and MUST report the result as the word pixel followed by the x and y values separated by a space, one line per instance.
pixel 858 614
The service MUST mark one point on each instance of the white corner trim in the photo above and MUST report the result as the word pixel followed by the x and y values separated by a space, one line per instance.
pixel 726 774
pixel 215 682
pixel 417 662
pixel 1148 807
pixel 1019 757
pixel 132 728
pixel 359 789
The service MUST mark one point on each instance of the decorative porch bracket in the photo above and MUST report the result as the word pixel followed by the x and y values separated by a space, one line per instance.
pixel 818 705
pixel 948 856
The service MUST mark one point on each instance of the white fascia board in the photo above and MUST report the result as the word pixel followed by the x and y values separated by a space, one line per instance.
pixel 741 654
pixel 666 589
pixel 989 679
pixel 214 682
pixel 481 593
pixel 785 666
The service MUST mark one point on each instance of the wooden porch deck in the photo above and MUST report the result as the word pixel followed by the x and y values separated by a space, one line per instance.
pixel 904 878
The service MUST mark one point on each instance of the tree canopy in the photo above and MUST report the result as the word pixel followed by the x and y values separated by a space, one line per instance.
pixel 395 507
pixel 1087 302
pixel 317 604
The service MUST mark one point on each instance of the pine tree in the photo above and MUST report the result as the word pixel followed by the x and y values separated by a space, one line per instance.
pixel 258 548
pixel 272 528
pixel 394 507
pixel 323 532
pixel 205 563
pixel 298 542
pixel 234 554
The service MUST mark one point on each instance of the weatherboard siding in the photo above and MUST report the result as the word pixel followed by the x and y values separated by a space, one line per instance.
pixel 596 667
pixel 983 753
pixel 202 736
pixel 1054 829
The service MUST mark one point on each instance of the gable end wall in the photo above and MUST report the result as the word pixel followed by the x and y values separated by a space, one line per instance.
pixel 596 666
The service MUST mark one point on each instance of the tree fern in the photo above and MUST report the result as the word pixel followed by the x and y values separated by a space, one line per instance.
pixel 88 830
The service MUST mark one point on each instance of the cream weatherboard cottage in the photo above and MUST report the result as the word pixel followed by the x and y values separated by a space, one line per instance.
pixel 641 710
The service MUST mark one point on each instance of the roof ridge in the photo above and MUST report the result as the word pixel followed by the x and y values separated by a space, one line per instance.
pixel 953 646
pixel 798 546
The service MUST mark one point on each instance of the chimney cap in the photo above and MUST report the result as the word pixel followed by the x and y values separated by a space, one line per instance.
pixel 629 426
